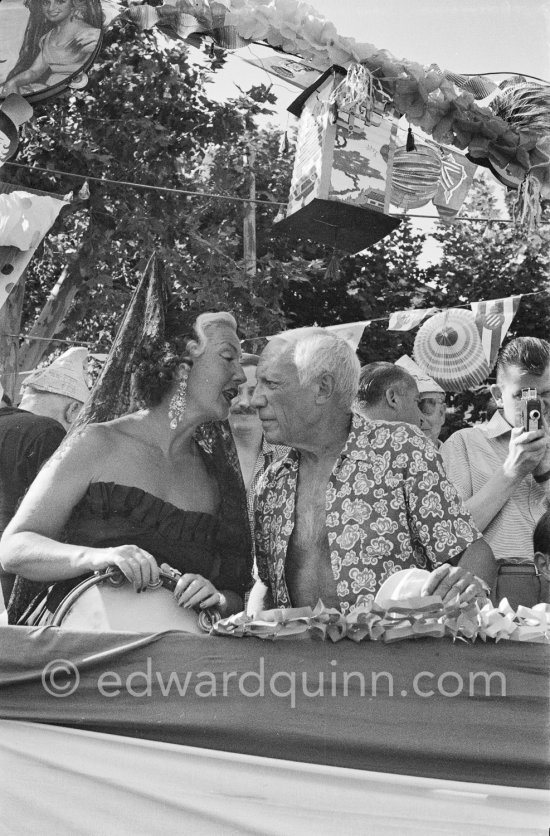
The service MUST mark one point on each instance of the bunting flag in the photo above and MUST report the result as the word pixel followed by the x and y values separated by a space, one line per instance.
pixel 350 331
pixel 18 229
pixel 493 319
pixel 407 320
pixel 457 174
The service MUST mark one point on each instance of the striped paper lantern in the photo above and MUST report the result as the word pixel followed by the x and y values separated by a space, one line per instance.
pixel 448 348
pixel 415 176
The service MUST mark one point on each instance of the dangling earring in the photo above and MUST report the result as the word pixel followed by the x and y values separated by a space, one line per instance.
pixel 178 403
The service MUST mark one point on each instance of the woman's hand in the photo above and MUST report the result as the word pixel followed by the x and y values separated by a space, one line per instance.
pixel 192 590
pixel 138 566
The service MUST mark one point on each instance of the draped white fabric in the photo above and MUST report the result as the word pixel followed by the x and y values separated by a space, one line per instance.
pixel 73 783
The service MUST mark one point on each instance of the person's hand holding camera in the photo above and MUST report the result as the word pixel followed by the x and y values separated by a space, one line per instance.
pixel 527 451
pixel 541 472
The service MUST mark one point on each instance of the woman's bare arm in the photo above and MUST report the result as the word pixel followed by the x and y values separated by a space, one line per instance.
pixel 30 545
pixel 35 71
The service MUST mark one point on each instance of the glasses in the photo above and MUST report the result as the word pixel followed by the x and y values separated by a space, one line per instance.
pixel 428 406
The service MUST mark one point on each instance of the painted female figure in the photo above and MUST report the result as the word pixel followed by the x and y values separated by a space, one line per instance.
pixel 60 39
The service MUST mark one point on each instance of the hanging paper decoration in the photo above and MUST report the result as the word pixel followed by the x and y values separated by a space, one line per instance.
pixel 25 218
pixel 493 319
pixel 526 106
pixel 441 103
pixel 350 331
pixel 415 176
pixel 339 192
pixel 407 320
pixel 45 46
pixel 288 67
pixel 14 260
pixel 449 349
pixel 356 90
pixel 14 111
pixel 146 17
pixel 479 86
pixel 457 175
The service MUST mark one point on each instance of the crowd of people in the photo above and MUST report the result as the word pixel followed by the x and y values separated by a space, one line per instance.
pixel 275 480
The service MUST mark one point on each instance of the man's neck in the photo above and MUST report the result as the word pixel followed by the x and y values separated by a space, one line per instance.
pixel 248 439
pixel 327 441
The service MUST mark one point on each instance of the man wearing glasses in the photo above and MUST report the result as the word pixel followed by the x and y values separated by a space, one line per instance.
pixel 431 401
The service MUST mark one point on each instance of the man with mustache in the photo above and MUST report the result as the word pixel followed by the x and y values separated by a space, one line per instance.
pixel 255 453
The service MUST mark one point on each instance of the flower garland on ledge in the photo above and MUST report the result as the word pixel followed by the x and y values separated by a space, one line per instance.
pixel 391 621
pixel 441 103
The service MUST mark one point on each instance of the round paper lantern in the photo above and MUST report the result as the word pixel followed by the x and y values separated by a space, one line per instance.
pixel 415 176
pixel 448 348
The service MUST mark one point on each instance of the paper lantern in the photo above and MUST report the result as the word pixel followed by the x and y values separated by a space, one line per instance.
pixel 415 176
pixel 46 45
pixel 340 190
pixel 449 349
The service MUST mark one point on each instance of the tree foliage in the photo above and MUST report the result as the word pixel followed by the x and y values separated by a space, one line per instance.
pixel 146 118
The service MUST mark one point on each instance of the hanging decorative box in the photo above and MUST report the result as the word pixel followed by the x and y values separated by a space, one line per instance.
pixel 47 46
pixel 340 190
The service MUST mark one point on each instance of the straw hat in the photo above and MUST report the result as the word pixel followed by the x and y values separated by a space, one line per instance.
pixel 65 376
pixel 424 382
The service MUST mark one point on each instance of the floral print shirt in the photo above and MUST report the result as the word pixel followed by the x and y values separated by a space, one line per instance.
pixel 389 506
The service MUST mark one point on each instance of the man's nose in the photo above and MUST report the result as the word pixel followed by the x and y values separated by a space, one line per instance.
pixel 423 423
pixel 245 398
pixel 257 400
pixel 239 377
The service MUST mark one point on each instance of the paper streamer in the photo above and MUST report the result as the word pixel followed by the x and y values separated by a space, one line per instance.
pixel 395 620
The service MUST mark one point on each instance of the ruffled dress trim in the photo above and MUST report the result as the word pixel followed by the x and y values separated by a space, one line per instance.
pixel 143 509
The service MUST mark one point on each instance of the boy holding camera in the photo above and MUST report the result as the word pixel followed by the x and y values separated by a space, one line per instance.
pixel 502 468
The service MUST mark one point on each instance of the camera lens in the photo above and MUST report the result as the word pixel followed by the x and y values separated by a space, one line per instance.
pixel 534 415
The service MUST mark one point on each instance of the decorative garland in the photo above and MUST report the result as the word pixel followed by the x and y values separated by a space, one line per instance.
pixel 408 618
pixel 441 103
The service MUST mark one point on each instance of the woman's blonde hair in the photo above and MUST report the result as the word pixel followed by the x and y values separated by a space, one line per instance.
pixel 158 362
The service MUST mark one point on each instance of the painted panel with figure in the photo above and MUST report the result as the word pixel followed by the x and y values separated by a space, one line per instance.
pixel 45 45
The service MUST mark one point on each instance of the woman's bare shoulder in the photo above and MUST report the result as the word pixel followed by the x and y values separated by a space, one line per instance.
pixel 111 433
pixel 95 442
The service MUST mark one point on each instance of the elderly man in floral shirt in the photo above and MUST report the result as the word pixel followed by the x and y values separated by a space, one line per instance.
pixel 355 500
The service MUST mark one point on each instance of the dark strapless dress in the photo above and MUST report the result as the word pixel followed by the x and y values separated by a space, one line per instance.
pixel 110 514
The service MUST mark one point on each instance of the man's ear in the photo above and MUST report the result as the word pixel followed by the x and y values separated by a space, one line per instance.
pixel 542 562
pixel 392 397
pixel 496 392
pixel 71 412
pixel 325 387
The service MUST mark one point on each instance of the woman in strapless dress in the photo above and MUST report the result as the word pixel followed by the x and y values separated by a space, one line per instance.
pixel 150 487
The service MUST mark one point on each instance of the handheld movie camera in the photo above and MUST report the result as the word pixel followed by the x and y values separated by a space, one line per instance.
pixel 531 410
